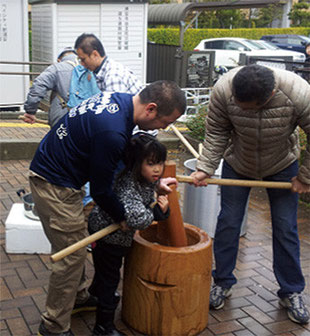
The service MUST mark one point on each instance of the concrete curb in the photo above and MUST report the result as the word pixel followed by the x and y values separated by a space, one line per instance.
pixel 24 149
pixel 18 149
pixel 11 115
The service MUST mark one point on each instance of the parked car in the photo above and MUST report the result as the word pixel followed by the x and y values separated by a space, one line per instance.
pixel 297 56
pixel 228 50
pixel 288 41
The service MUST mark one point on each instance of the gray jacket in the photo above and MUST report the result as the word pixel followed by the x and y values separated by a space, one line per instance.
pixel 263 142
pixel 56 77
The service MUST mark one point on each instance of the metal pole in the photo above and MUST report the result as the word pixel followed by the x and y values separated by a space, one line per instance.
pixel 27 63
pixel 20 73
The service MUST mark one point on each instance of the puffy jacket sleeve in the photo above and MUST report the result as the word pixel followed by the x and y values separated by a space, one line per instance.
pixel 41 85
pixel 303 120
pixel 218 128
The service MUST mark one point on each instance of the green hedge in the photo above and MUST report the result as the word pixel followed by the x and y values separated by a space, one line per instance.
pixel 193 36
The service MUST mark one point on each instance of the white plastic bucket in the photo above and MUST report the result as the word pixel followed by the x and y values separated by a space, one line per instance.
pixel 201 206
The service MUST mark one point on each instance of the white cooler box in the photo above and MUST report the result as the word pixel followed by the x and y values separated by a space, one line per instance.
pixel 24 235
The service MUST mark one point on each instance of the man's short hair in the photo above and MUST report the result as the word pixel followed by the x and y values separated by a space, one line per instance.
pixel 166 94
pixel 65 52
pixel 88 43
pixel 253 83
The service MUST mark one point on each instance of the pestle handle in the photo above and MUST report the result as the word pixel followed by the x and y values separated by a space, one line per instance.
pixel 88 240
pixel 39 121
pixel 174 223
pixel 84 242
pixel 185 142
pixel 239 183
pixel 171 231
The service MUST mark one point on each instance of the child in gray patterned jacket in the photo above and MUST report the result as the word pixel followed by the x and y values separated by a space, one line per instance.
pixel 135 186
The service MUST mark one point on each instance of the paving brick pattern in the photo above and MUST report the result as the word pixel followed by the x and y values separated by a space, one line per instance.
pixel 253 309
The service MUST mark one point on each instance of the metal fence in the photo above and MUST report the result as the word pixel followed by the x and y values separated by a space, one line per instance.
pixel 283 62
pixel 193 69
pixel 31 73
pixel 160 62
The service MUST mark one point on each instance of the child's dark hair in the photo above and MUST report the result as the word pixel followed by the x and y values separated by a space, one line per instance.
pixel 143 146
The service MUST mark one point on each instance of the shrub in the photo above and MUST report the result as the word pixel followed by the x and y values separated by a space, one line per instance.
pixel 193 36
pixel 196 124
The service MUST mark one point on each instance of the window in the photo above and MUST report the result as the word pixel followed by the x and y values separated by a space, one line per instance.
pixel 233 45
pixel 294 40
pixel 279 39
pixel 214 45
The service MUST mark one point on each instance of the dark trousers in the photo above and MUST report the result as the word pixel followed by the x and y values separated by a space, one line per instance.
pixel 285 241
pixel 108 260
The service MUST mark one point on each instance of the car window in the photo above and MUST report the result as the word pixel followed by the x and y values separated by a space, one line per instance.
pixel 268 45
pixel 305 38
pixel 279 39
pixel 294 40
pixel 233 45
pixel 253 45
pixel 214 45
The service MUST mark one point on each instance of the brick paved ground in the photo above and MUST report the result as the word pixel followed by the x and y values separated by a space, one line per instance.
pixel 253 308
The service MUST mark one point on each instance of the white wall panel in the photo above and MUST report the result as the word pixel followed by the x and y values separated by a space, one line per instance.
pixel 122 28
pixel 123 34
pixel 13 47
pixel 74 20
pixel 42 34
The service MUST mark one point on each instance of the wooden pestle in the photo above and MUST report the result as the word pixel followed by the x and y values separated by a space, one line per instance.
pixel 38 121
pixel 171 231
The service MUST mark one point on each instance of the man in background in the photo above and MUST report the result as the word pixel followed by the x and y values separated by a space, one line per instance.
pixel 57 78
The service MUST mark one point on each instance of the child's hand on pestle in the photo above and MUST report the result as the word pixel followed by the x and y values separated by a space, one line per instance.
pixel 163 186
pixel 199 178
pixel 124 226
pixel 163 202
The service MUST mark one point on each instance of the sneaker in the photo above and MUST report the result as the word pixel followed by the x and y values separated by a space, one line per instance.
pixel 89 305
pixel 296 308
pixel 218 295
pixel 44 332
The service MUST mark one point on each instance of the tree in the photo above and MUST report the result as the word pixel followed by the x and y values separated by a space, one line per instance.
pixel 268 14
pixel 300 14
pixel 224 18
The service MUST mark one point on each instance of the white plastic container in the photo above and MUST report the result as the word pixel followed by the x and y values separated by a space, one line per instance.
pixel 201 206
pixel 24 235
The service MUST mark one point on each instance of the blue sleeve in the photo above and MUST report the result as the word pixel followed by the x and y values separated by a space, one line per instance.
pixel 107 150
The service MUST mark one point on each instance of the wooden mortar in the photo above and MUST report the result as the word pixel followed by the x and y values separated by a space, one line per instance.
pixel 166 289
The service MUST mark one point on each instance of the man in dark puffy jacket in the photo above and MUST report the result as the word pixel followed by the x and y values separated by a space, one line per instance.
pixel 57 78
pixel 252 122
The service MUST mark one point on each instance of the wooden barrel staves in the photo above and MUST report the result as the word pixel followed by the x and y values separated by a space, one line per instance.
pixel 166 289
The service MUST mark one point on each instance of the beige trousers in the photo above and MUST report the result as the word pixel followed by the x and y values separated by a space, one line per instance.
pixel 61 213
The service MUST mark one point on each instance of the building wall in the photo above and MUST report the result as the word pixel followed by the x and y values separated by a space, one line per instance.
pixel 121 27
